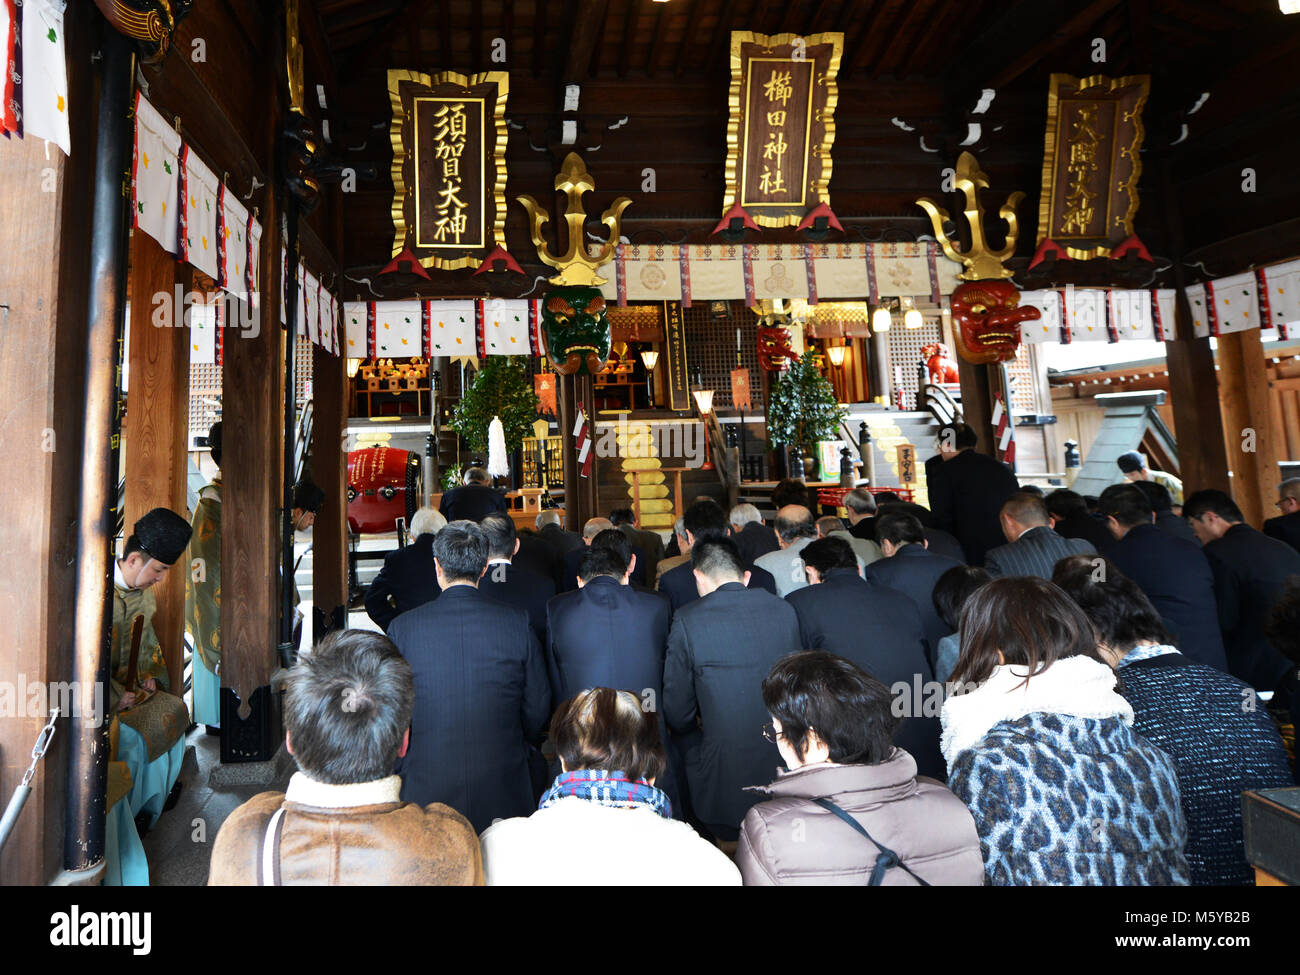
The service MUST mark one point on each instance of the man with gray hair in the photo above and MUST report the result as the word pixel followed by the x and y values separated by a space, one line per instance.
pixel 861 507
pixel 347 717
pixel 482 694
pixel 1286 526
pixel 866 551
pixel 752 537
pixel 407 579
pixel 551 530
pixel 673 561
pixel 794 529
pixel 474 500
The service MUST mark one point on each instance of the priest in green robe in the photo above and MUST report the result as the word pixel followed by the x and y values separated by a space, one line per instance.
pixel 152 721
pixel 203 595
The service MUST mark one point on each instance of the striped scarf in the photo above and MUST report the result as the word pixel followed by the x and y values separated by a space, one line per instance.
pixel 612 789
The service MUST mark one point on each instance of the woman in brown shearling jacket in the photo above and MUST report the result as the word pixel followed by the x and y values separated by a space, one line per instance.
pixel 833 725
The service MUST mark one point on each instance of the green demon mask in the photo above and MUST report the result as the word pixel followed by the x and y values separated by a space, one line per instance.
pixel 575 327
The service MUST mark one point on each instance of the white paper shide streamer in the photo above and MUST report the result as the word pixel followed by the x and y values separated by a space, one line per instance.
pixel 498 464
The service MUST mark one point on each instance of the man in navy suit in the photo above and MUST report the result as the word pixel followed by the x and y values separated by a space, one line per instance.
pixel 473 500
pixel 407 579
pixel 624 519
pixel 573 559
pixel 606 633
pixel 1250 573
pixel 1032 548
pixel 876 627
pixel 509 583
pixel 1286 526
pixel 910 567
pixel 1173 572
pixel 482 695
pixel 720 648
pixel 705 519
pixel 551 530
pixel 967 491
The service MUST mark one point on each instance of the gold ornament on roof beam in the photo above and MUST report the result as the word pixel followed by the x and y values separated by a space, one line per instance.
pixel 575 265
pixel 981 261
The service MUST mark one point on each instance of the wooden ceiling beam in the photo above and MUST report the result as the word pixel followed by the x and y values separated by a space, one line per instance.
pixel 900 43
pixel 631 17
pixel 661 28
pixel 932 40
pixel 697 9
pixel 720 46
pixel 585 29
pixel 791 18
pixel 374 50
pixel 539 36
pixel 880 36
pixel 593 67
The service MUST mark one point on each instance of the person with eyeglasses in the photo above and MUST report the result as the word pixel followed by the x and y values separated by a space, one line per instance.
pixel 1286 526
pixel 834 725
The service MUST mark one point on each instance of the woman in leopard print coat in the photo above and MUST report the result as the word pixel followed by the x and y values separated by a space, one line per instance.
pixel 1040 747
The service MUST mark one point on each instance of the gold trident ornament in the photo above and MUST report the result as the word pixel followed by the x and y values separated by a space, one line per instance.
pixel 575 265
pixel 981 262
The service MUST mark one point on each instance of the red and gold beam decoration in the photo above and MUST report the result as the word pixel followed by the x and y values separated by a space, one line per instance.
pixel 449 165
pixel 782 124
pixel 1091 165
pixel 986 307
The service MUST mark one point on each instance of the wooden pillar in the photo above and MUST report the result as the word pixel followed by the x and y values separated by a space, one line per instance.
pixel 977 400
pixel 1251 440
pixel 154 432
pixel 329 470
pixel 44 280
pixel 579 492
pixel 252 432
pixel 1193 385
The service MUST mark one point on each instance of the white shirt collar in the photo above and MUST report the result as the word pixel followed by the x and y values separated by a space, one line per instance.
pixel 306 791
pixel 498 562
pixel 119 580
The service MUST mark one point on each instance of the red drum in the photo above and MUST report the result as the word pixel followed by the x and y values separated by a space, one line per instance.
pixel 384 484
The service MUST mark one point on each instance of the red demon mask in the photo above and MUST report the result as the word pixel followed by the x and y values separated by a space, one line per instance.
pixel 774 352
pixel 988 316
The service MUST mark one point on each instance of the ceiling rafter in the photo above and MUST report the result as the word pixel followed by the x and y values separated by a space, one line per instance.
pixel 661 28
pixel 692 25
pixel 901 38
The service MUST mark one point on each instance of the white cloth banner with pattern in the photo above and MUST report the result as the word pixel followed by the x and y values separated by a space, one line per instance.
pixel 451 328
pixel 1236 302
pixel 1167 300
pixel 902 270
pixel 199 244
pixel 45 74
pixel 1085 312
pixel 651 273
pixel 505 326
pixel 1048 326
pixel 254 275
pixel 717 271
pixel 397 329
pixel 203 335
pixel 355 325
pixel 1131 315
pixel 155 176
pixel 840 271
pixel 1283 290
pixel 234 238
pixel 1200 315
pixel 780 271
pixel 310 310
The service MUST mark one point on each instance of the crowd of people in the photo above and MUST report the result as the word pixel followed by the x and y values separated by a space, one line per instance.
pixel 1004 688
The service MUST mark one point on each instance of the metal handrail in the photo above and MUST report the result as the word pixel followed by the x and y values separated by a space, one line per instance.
pixel 940 404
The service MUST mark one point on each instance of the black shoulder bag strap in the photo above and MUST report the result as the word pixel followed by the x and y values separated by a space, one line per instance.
pixel 887 858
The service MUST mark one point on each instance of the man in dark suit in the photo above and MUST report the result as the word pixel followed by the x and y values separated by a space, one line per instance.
pixel 705 519
pixel 876 627
pixel 647 541
pixel 1286 526
pixel 407 579
pixel 551 530
pixel 1070 519
pixel 720 648
pixel 752 537
pixel 1032 548
pixel 1163 505
pixel 1173 572
pixel 472 500
pixel 607 633
pixel 536 556
pixel 861 506
pixel 513 584
pixel 910 567
pixel 482 695
pixel 968 490
pixel 573 559
pixel 1250 573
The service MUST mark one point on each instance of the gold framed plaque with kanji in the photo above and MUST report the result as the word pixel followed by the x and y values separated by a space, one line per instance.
pixel 449 165
pixel 782 124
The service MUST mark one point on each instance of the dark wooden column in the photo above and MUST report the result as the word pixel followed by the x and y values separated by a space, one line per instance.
pixel 1193 384
pixel 44 282
pixel 579 492
pixel 1251 439
pixel 329 470
pixel 977 400
pixel 157 421
pixel 252 431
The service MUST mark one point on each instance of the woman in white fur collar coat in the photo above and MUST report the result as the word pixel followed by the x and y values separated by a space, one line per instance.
pixel 1042 751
